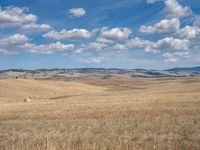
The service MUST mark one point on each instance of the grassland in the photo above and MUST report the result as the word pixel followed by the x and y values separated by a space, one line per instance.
pixel 107 114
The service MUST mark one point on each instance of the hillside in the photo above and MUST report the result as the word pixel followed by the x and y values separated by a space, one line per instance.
pixel 94 114
pixel 101 72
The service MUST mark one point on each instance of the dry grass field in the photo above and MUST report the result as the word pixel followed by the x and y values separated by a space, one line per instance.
pixel 100 114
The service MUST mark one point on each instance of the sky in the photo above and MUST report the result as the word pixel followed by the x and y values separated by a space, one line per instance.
pixel 148 34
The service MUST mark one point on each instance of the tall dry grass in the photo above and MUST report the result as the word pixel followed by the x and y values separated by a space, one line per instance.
pixel 133 114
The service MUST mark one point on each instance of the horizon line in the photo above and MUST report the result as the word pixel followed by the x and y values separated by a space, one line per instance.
pixel 108 68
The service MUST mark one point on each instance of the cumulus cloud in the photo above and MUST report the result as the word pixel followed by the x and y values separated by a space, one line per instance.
pixel 77 12
pixel 74 34
pixel 16 39
pixel 168 43
pixel 137 42
pixel 125 45
pixel 174 9
pixel 8 43
pixel 103 40
pixel 15 16
pixel 115 34
pixel 95 46
pixel 164 26
pixel 109 39
pixel 119 47
pixel 47 48
pixel 147 29
pixel 94 61
pixel 189 32
pixel 176 56
pixel 34 26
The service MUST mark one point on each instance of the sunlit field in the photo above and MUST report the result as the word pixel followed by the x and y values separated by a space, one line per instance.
pixel 108 114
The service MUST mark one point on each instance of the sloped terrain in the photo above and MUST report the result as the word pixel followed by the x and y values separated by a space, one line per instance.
pixel 113 113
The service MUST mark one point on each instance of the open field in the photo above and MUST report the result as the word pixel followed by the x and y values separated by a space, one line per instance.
pixel 111 113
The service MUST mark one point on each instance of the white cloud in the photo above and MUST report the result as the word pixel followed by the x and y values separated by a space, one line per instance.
pixel 147 29
pixel 103 40
pixel 7 52
pixel 196 22
pixel 132 43
pixel 74 34
pixel 176 56
pixel 174 9
pixel 47 48
pixel 116 34
pixel 119 47
pixel 16 39
pixel 173 59
pixel 182 54
pixel 137 42
pixel 77 12
pixel 94 61
pixel 34 26
pixel 168 43
pixel 164 26
pixel 96 46
pixel 15 16
pixel 79 51
pixel 152 1
pixel 189 32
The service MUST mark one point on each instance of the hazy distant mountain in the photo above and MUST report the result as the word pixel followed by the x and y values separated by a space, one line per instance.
pixel 191 70
pixel 101 72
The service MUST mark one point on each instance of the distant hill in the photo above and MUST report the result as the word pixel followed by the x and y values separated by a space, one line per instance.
pixel 188 70
pixel 101 72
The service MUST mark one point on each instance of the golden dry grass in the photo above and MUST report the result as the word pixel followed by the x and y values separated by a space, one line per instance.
pixel 115 113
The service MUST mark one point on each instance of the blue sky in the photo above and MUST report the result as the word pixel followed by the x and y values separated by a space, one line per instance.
pixel 150 34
